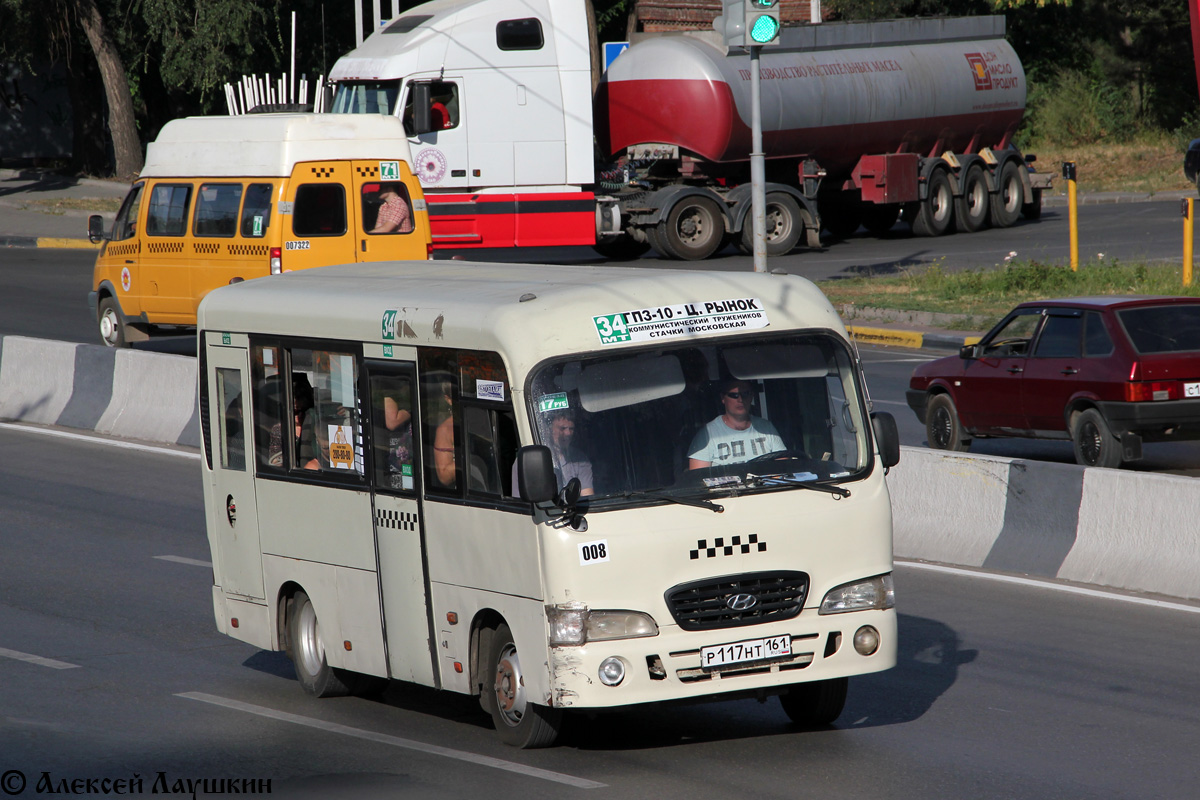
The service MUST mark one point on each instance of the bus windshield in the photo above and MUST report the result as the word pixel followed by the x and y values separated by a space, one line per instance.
pixel 757 413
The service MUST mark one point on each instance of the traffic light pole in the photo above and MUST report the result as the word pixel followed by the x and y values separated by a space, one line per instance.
pixel 758 198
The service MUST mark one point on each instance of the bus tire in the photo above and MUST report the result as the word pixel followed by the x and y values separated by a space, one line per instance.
pixel 307 651
pixel 519 721
pixel 815 704
pixel 114 331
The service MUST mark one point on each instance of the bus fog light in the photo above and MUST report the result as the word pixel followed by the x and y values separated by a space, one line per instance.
pixel 612 671
pixel 866 640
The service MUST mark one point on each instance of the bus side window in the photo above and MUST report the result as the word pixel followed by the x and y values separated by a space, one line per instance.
pixel 232 434
pixel 268 408
pixel 168 209
pixel 125 226
pixel 319 210
pixel 440 418
pixel 327 436
pixel 391 411
pixel 256 210
pixel 216 209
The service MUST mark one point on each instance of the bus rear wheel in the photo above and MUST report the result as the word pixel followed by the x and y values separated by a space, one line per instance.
pixel 519 721
pixel 307 651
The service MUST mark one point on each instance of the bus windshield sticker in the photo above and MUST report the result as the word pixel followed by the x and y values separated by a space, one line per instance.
pixel 489 390
pixel 553 402
pixel 682 319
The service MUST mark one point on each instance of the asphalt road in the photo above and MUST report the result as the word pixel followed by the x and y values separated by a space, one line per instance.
pixel 111 668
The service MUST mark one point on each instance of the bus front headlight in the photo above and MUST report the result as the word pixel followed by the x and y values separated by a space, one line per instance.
pixel 873 593
pixel 575 624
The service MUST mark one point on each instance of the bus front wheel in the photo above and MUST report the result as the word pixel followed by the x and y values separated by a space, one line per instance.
pixel 519 721
pixel 815 704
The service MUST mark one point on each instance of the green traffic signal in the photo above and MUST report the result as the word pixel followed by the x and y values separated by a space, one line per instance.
pixel 764 28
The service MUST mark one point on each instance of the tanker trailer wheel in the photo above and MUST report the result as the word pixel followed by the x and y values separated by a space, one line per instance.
pixel 693 230
pixel 972 212
pixel 935 214
pixel 1006 204
pixel 784 226
pixel 879 218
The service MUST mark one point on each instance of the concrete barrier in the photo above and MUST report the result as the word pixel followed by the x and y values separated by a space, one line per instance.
pixel 1117 528
pixel 128 393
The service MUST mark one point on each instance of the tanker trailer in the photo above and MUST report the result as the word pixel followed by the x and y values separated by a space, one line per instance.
pixel 862 123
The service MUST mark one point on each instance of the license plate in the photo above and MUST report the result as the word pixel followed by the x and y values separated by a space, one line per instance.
pixel 1191 390
pixel 721 655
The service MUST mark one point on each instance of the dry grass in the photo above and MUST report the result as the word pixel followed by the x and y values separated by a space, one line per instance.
pixel 59 205
pixel 1153 164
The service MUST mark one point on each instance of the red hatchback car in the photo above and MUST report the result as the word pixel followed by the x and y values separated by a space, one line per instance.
pixel 1109 373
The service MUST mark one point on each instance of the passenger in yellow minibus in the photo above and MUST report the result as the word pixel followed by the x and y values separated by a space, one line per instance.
pixel 394 215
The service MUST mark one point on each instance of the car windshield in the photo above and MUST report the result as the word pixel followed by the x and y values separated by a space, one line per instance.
pixel 369 97
pixel 749 414
pixel 1163 329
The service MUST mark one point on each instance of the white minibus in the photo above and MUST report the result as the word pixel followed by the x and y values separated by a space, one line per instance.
pixel 555 488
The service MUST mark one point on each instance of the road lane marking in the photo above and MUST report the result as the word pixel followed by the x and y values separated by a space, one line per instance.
pixel 39 660
pixel 1053 586
pixel 149 448
pixel 394 741
pixel 194 562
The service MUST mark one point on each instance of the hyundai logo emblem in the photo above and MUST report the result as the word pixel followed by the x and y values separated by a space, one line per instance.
pixel 741 602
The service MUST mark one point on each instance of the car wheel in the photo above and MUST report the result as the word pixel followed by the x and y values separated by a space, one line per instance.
pixel 519 721
pixel 1095 445
pixel 307 651
pixel 942 427
pixel 815 704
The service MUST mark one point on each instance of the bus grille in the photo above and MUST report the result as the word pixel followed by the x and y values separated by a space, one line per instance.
pixel 721 603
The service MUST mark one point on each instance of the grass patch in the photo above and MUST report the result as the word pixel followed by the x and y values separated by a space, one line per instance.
pixel 1153 162
pixel 984 296
pixel 59 205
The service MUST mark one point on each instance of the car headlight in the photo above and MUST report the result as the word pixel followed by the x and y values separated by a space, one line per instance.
pixel 873 593
pixel 575 624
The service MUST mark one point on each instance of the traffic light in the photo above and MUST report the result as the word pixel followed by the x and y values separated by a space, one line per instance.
pixel 762 22
pixel 732 23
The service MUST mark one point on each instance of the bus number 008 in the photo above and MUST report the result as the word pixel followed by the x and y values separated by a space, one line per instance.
pixel 593 552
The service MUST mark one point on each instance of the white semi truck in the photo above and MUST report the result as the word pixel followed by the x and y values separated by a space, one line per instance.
pixel 863 123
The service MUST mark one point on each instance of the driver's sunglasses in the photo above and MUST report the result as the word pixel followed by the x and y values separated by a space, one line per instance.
pixel 740 395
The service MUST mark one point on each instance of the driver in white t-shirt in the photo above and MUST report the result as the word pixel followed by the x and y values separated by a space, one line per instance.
pixel 735 436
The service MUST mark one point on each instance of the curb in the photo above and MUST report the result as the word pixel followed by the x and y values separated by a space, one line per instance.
pixel 47 241
pixel 905 338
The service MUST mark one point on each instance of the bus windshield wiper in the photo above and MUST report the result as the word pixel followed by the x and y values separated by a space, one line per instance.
pixel 790 480
pixel 683 501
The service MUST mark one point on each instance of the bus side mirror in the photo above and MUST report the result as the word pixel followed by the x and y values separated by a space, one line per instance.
pixel 95 229
pixel 887 437
pixel 535 474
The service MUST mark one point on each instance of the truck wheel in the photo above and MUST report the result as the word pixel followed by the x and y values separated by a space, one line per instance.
pixel 693 230
pixel 624 248
pixel 307 652
pixel 971 212
pixel 1009 197
pixel 935 214
pixel 878 219
pixel 942 428
pixel 815 704
pixel 520 722
pixel 1033 210
pixel 784 226
pixel 1095 446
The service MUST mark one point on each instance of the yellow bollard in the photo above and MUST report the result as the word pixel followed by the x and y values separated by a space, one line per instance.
pixel 1187 208
pixel 1073 213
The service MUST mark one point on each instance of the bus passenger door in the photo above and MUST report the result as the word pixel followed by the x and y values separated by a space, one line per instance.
pixel 239 570
pixel 398 523
pixel 318 223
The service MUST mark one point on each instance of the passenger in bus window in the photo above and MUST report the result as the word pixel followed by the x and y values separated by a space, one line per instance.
pixel 735 436
pixel 394 215
pixel 397 435
pixel 443 444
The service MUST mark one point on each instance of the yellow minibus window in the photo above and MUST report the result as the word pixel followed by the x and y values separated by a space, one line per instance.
pixel 386 208
pixel 319 210
pixel 256 210
pixel 217 209
pixel 125 226
pixel 168 209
